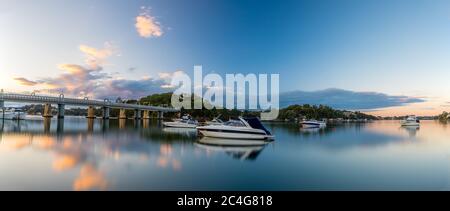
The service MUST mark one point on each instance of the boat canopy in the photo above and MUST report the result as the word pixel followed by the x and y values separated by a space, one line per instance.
pixel 256 124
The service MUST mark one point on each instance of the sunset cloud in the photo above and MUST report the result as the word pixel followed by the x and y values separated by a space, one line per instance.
pixel 90 79
pixel 25 82
pixel 80 81
pixel 146 25
pixel 95 58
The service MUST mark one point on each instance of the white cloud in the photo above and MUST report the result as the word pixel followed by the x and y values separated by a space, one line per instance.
pixel 90 80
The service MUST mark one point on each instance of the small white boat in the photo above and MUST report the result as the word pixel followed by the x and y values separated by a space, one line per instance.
pixel 313 124
pixel 244 128
pixel 185 122
pixel 411 121
pixel 13 114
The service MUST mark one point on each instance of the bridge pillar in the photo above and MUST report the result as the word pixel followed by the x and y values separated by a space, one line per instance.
pixel 106 112
pixel 47 111
pixel 146 114
pixel 160 115
pixel 91 112
pixel 122 114
pixel 61 109
pixel 2 104
pixel 137 114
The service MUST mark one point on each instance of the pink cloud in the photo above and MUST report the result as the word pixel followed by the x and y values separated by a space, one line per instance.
pixel 146 25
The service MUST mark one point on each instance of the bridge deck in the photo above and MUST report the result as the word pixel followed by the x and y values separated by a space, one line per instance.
pixel 78 102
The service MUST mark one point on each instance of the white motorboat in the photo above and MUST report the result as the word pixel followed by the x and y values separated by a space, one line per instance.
pixel 13 114
pixel 313 124
pixel 244 128
pixel 411 121
pixel 185 122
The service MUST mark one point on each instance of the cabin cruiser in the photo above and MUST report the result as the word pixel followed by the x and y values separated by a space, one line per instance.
pixel 243 128
pixel 410 121
pixel 12 114
pixel 313 124
pixel 184 122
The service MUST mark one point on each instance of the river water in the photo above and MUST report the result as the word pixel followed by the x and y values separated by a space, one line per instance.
pixel 81 154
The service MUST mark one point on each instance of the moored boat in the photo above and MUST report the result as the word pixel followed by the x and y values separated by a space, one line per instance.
pixel 313 124
pixel 243 128
pixel 13 114
pixel 184 122
pixel 411 121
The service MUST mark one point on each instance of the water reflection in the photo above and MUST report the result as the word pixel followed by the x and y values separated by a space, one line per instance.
pixel 47 124
pixel 105 125
pixel 90 125
pixel 411 130
pixel 237 152
pixel 75 150
pixel 82 154
pixel 60 126
pixel 122 123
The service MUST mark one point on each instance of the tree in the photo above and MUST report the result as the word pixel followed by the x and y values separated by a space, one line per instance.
pixel 444 117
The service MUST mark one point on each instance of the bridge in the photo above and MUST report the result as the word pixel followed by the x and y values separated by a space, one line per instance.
pixel 106 105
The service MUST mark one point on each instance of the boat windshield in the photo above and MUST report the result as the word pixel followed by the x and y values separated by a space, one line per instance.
pixel 411 118
pixel 189 121
pixel 256 124
pixel 234 123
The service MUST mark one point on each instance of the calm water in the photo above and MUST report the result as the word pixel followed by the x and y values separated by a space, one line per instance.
pixel 79 154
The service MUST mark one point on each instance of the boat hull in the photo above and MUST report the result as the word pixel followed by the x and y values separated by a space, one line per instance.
pixel 178 125
pixel 229 134
pixel 232 142
pixel 313 125
pixel 410 124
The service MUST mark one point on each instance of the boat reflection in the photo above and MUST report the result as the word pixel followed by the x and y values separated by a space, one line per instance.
pixel 180 131
pixel 310 130
pixel 411 130
pixel 237 149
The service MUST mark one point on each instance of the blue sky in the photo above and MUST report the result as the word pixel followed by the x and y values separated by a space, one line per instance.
pixel 396 47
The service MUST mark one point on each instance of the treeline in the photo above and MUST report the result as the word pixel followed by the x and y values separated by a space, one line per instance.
pixel 290 113
pixel 296 112
pixel 164 99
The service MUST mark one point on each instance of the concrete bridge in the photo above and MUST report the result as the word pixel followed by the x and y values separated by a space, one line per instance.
pixel 140 111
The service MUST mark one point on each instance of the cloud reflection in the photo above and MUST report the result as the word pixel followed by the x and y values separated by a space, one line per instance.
pixel 84 153
pixel 90 178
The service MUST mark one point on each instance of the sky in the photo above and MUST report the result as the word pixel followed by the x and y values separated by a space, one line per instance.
pixel 383 57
